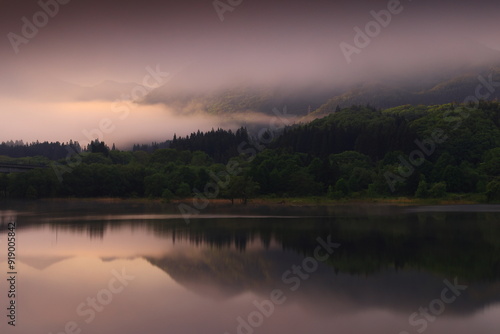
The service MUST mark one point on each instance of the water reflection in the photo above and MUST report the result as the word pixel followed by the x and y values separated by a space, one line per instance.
pixel 7 216
pixel 199 278
pixel 451 244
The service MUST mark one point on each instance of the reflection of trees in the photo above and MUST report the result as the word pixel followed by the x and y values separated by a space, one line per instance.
pixel 94 229
pixel 459 244
pixel 451 244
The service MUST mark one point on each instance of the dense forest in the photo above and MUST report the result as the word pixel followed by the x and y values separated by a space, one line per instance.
pixel 357 152
pixel 52 151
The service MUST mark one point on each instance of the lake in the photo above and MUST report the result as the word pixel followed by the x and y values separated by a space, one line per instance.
pixel 139 267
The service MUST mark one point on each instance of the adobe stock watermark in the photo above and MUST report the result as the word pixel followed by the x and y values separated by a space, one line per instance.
pixel 154 79
pixel 222 179
pixel 373 29
pixel 427 147
pixel 292 278
pixel 222 6
pixel 420 320
pixel 89 308
pixel 31 27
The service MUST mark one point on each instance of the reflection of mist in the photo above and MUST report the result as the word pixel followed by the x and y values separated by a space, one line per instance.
pixel 226 274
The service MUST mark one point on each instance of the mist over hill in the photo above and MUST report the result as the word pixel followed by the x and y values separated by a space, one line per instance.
pixel 317 100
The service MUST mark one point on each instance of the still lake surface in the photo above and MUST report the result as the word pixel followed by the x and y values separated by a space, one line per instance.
pixel 130 268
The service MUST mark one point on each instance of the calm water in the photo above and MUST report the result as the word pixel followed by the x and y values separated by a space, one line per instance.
pixel 84 267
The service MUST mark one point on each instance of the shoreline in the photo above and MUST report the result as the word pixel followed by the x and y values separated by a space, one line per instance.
pixel 272 202
pixel 297 207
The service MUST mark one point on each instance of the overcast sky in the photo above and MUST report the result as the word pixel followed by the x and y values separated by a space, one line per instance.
pixel 261 42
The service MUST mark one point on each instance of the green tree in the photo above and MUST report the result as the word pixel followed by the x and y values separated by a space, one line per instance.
pixel 360 179
pixel 167 195
pixel 443 161
pixel 96 158
pixel 242 187
pixel 183 190
pixel 97 146
pixel 200 159
pixel 342 187
pixel 438 190
pixel 422 189
pixel 491 164
pixel 454 178
pixel 330 192
pixel 493 190
pixel 121 157
pixel 154 185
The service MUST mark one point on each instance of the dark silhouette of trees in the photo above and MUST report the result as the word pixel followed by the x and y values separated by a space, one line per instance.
pixel 220 145
pixel 347 153
pixel 52 151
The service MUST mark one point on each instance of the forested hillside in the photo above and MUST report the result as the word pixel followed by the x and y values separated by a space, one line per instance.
pixel 358 152
pixel 382 95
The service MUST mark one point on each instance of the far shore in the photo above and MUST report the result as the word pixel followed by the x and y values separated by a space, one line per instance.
pixel 190 208
pixel 286 202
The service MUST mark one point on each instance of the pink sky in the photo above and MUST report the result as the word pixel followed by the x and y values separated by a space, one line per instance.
pixel 259 42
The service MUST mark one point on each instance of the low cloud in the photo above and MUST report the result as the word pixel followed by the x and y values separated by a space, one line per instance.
pixel 67 77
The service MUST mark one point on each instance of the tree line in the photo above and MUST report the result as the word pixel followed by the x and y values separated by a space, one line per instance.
pixel 49 150
pixel 421 151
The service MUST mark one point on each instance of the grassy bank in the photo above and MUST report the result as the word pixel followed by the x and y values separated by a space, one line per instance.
pixel 450 199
